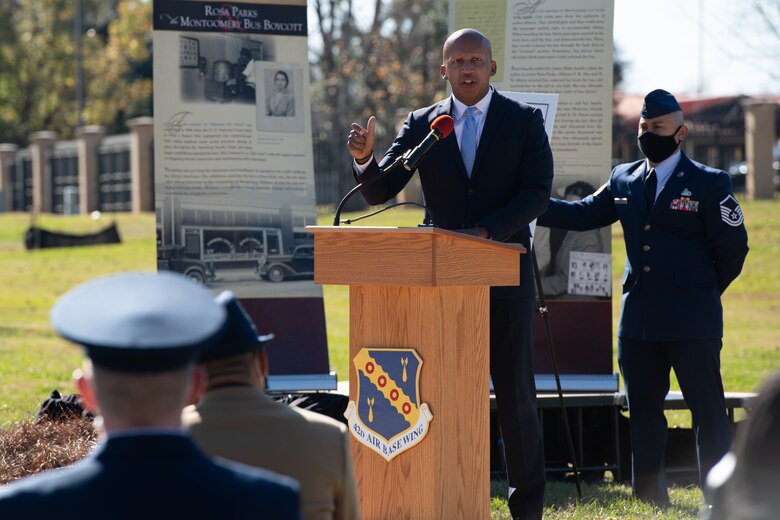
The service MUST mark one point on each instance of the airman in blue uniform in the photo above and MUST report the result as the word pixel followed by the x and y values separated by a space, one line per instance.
pixel 685 243
pixel 142 333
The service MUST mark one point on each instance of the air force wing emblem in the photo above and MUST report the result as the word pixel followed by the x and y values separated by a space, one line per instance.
pixel 730 212
pixel 387 414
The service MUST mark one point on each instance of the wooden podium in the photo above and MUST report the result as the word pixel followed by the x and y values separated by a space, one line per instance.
pixel 426 289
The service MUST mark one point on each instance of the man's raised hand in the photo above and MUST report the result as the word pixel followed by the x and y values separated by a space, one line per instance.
pixel 360 141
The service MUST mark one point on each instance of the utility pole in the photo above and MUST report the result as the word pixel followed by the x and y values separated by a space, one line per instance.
pixel 78 35
pixel 701 47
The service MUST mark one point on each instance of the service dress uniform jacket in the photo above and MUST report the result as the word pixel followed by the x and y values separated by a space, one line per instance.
pixel 241 423
pixel 151 476
pixel 682 253
pixel 508 188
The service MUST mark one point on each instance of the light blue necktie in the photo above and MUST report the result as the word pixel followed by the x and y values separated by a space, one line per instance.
pixel 468 140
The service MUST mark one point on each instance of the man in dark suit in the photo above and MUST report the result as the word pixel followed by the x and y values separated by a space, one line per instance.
pixel 685 243
pixel 491 177
pixel 142 333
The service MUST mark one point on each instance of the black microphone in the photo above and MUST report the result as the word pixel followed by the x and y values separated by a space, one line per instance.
pixel 441 127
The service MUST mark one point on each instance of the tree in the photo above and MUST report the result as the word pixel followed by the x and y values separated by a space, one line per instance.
pixel 120 72
pixel 38 65
pixel 38 74
pixel 766 15
pixel 7 78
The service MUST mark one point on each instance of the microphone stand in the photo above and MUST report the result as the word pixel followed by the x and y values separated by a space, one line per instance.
pixel 546 316
pixel 398 162
pixel 427 221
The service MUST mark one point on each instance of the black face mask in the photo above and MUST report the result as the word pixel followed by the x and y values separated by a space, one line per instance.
pixel 657 147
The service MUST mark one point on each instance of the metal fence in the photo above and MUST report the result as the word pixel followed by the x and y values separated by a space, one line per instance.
pixel 63 164
pixel 61 174
pixel 114 176
pixel 21 181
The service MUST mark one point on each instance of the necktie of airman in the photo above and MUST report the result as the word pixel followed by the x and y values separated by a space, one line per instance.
pixel 468 140
pixel 651 182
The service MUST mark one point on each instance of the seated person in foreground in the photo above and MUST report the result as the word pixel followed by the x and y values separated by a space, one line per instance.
pixel 236 420
pixel 142 332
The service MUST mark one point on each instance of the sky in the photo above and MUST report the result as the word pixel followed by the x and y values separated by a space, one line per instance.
pixel 664 48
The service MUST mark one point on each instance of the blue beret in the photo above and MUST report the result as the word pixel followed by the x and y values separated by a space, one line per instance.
pixel 140 322
pixel 658 103
pixel 240 335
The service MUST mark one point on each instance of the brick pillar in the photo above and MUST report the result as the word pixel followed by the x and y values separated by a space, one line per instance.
pixel 40 143
pixel 142 163
pixel 759 140
pixel 7 158
pixel 89 138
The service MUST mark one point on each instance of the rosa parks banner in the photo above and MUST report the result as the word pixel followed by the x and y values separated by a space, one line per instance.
pixel 234 175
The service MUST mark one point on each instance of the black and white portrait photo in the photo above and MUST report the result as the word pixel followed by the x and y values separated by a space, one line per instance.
pixel 279 97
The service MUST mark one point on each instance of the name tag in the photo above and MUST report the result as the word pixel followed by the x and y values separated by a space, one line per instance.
pixel 621 200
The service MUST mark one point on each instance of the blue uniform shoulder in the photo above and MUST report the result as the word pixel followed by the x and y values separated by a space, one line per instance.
pixel 704 172
pixel 705 176
pixel 250 487
pixel 623 173
pixel 709 170
pixel 623 168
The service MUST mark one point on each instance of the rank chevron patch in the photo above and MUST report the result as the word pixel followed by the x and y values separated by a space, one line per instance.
pixel 387 414
pixel 730 212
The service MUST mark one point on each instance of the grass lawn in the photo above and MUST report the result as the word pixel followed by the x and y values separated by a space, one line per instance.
pixel 34 361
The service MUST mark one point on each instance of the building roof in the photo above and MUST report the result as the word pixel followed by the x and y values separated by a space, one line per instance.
pixel 721 109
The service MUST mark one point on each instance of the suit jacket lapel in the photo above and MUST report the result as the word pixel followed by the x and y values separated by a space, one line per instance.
pixel 636 187
pixel 492 119
pixel 451 141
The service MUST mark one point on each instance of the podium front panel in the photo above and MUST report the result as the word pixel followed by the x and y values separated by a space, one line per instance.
pixel 447 474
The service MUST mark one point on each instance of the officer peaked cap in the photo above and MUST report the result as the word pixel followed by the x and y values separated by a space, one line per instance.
pixel 658 103
pixel 140 322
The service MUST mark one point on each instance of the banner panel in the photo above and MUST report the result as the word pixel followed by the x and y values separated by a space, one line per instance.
pixel 234 172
